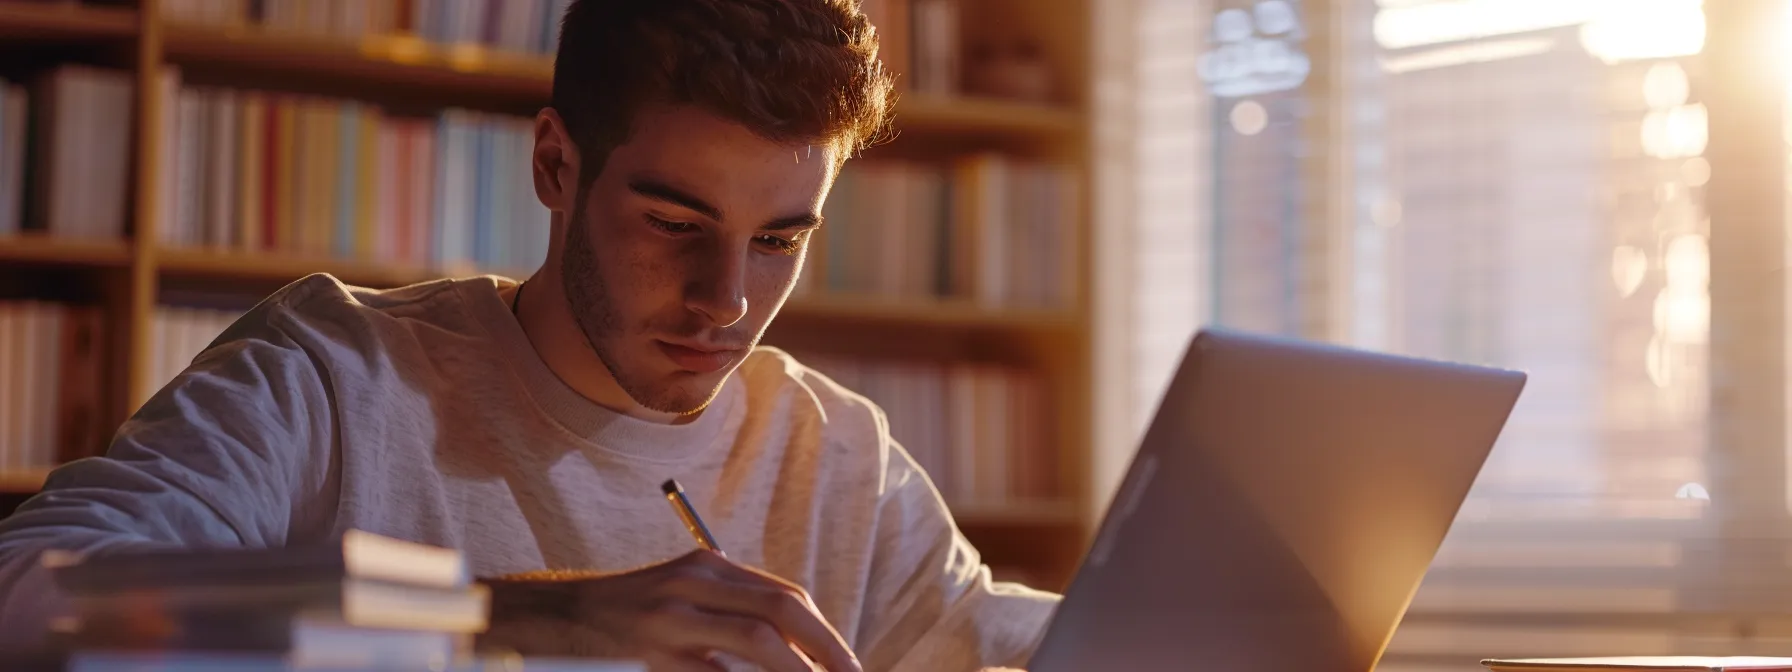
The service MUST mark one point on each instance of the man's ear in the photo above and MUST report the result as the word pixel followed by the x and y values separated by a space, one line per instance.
pixel 556 163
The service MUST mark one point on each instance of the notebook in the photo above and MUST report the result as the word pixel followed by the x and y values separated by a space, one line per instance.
pixel 1642 664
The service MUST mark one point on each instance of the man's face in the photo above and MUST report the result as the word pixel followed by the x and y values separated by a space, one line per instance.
pixel 685 247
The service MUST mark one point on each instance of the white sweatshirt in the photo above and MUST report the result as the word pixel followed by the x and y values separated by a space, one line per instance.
pixel 423 413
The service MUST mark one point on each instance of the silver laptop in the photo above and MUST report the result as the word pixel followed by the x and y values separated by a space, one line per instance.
pixel 1281 510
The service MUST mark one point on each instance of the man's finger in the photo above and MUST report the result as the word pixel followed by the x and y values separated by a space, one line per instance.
pixel 774 603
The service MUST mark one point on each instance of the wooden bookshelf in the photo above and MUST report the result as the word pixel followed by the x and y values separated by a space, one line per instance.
pixel 1042 514
pixel 281 269
pixel 65 23
pixel 418 77
pixel 491 79
pixel 43 250
pixel 16 481
pixel 400 67
pixel 932 114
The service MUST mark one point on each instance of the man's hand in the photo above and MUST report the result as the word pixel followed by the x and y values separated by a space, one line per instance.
pixel 675 616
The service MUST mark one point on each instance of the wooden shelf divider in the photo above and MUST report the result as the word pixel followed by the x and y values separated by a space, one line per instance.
pixel 42 22
pixel 931 313
pixel 36 249
pixel 486 77
pixel 19 481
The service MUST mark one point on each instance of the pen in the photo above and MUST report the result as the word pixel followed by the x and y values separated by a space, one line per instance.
pixel 681 506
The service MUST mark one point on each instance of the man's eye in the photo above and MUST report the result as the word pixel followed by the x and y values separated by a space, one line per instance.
pixel 781 245
pixel 670 226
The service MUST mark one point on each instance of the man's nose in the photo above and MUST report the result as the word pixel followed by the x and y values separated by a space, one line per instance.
pixel 718 288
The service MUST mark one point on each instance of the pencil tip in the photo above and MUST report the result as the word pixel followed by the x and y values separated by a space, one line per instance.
pixel 671 486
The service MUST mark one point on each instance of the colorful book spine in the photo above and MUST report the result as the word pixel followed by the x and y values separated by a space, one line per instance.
pixel 988 228
pixel 75 183
pixel 329 179
pixel 516 26
pixel 50 358
pixel 14 109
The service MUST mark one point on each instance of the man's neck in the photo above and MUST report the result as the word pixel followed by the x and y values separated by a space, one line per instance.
pixel 541 309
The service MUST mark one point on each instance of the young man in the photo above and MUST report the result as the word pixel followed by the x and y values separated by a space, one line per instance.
pixel 685 159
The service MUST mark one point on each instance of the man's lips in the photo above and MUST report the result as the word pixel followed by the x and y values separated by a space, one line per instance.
pixel 696 357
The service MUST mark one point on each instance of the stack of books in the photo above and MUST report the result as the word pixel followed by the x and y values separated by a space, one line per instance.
pixel 370 602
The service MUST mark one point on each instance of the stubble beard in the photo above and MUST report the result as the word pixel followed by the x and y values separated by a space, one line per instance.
pixel 602 326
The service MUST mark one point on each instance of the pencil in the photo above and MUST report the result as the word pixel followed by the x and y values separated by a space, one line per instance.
pixel 692 523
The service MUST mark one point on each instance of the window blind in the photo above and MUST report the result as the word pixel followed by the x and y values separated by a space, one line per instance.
pixel 1513 183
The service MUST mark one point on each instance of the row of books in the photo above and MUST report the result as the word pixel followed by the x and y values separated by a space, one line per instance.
pixel 989 227
pixel 177 335
pixel 319 177
pixel 981 432
pixel 519 26
pixel 50 361
pixel 289 173
pixel 920 40
pixel 65 149
pixel 322 177
pixel 15 104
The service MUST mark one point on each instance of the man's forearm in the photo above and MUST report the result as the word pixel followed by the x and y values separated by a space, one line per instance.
pixel 533 596
pixel 536 614
pixel 29 601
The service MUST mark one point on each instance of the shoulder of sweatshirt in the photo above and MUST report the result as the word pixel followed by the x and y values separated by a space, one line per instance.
pixel 843 423
pixel 348 328
pixel 321 299
pixel 772 375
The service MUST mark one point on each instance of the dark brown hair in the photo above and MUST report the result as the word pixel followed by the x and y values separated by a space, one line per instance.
pixel 800 71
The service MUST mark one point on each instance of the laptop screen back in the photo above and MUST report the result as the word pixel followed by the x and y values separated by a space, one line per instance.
pixel 1281 510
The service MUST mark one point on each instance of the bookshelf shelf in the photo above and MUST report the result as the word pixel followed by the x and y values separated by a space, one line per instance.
pixel 934 114
pixel 469 75
pixel 1043 514
pixel 279 269
pixel 282 268
pixel 43 250
pixel 935 313
pixel 22 481
pixel 475 76
pixel 44 22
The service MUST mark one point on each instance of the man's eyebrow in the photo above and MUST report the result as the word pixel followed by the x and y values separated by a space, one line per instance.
pixel 805 221
pixel 661 191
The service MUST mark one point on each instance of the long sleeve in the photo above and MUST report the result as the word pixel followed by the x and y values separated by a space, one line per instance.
pixel 931 604
pixel 233 452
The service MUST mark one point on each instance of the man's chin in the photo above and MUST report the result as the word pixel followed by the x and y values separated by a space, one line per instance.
pixel 683 392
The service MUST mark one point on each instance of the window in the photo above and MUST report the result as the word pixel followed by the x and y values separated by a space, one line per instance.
pixel 1524 183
